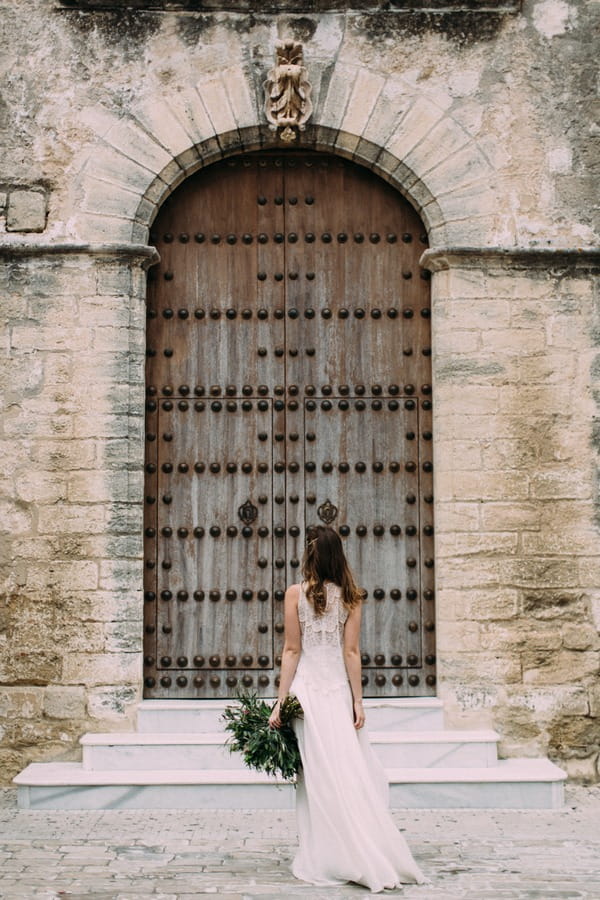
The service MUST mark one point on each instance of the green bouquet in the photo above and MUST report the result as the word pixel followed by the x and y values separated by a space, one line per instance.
pixel 271 750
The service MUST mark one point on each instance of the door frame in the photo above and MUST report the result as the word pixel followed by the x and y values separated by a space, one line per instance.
pixel 333 155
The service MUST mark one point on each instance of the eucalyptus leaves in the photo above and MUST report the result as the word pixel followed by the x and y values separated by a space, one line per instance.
pixel 271 750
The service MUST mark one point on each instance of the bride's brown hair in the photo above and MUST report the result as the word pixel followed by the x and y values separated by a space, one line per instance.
pixel 324 559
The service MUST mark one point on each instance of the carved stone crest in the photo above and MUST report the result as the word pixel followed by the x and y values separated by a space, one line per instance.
pixel 287 91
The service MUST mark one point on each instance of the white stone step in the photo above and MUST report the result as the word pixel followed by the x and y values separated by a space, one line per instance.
pixel 208 750
pixel 515 784
pixel 179 716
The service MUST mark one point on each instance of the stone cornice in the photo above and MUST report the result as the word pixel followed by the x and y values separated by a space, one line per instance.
pixel 438 259
pixel 437 7
pixel 143 253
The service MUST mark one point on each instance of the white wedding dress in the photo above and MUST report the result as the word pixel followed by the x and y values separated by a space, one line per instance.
pixel 345 830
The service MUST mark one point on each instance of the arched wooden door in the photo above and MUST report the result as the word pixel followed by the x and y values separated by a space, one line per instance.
pixel 288 383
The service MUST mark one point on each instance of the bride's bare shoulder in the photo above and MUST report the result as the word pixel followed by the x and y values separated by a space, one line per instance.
pixel 293 591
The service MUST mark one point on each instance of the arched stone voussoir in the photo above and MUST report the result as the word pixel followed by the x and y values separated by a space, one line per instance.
pixel 419 148
pixel 315 137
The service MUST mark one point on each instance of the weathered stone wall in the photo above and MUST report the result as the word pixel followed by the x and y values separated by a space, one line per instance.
pixel 484 121
pixel 70 470
pixel 518 602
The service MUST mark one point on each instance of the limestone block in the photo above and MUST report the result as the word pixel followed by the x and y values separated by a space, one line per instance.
pixel 452 455
pixel 482 668
pixel 26 210
pixel 553 604
pixel 120 574
pixel 113 166
pixel 108 198
pixel 63 573
pixel 530 341
pixel 110 702
pixel 470 543
pixel 543 572
pixel 559 667
pixel 241 97
pixel 519 635
pixel 41 487
pixel 101 426
pixel 495 605
pixel 485 313
pixel 454 177
pixel 191 113
pixel 37 667
pixel 452 605
pixel 469 399
pixel 580 636
pixel 547 703
pixel 576 540
pixel 215 99
pixel 536 399
pixel 444 140
pixel 417 122
pixel 51 337
pixel 455 516
pixel 594 602
pixel 454 341
pixel 15 517
pixel 458 573
pixel 466 635
pixel 518 453
pixel 96 487
pixel 134 142
pixel 21 702
pixel 64 702
pixel 392 101
pixel 103 312
pixel 100 228
pixel 154 115
pixel 98 606
pixel 73 518
pixel 584 770
pixel 561 484
pixel 123 635
pixel 510 516
pixel 124 518
pixel 339 90
pixel 102 668
pixel 486 486
pixel 364 96
pixel 594 698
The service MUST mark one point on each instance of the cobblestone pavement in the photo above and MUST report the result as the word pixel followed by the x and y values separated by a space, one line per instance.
pixel 246 855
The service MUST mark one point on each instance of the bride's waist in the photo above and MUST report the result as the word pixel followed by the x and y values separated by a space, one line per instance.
pixel 322 657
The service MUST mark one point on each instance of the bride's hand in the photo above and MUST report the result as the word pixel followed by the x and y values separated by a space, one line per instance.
pixel 275 718
pixel 359 714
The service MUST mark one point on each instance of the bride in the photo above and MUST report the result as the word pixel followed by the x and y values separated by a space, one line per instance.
pixel 345 830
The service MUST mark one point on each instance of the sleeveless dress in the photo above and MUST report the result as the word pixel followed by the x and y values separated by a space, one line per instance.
pixel 345 830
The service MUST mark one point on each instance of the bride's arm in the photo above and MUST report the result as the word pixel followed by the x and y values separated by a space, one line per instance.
pixel 291 650
pixel 353 662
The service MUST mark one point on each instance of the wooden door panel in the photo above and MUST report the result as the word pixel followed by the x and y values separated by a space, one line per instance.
pixel 288 343
pixel 209 555
pixel 361 468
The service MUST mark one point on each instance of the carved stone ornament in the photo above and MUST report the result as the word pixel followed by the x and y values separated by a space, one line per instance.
pixel 327 512
pixel 287 91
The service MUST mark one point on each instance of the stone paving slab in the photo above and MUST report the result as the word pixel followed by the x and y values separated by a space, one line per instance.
pixel 246 854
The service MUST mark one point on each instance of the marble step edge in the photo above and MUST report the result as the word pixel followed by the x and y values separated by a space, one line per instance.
pixel 370 702
pixel 186 738
pixel 68 774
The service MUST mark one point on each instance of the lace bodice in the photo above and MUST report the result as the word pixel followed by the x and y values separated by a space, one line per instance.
pixel 326 630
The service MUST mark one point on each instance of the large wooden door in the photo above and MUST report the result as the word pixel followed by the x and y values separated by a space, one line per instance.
pixel 288 383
